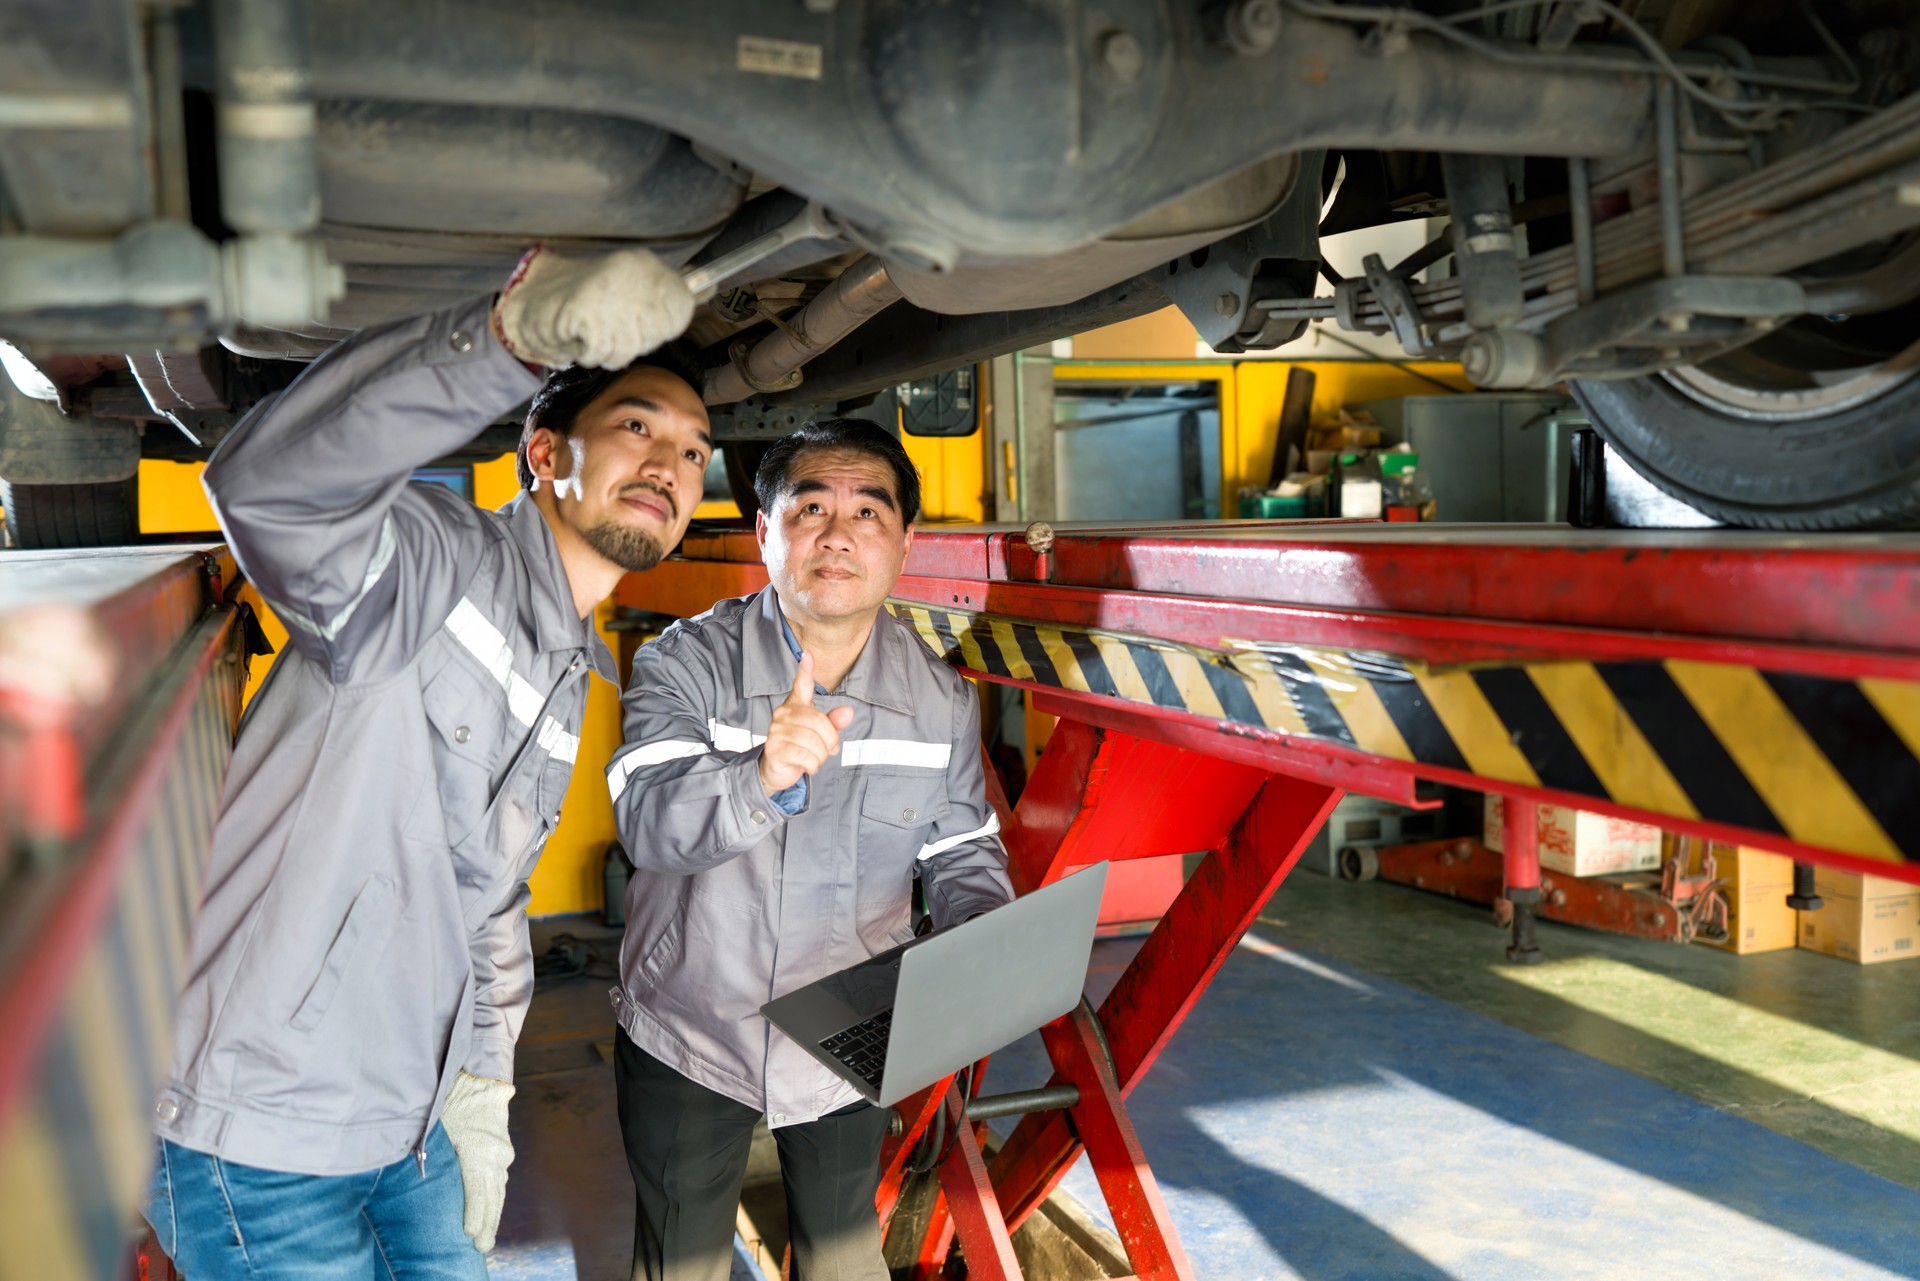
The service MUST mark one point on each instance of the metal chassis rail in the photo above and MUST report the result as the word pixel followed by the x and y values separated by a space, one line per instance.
pixel 1220 686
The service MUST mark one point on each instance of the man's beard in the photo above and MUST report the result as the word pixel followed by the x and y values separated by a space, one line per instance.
pixel 634 550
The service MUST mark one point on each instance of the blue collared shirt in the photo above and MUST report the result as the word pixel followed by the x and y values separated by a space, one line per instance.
pixel 792 800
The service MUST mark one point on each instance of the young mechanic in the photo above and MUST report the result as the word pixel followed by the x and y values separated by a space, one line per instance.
pixel 343 1048
pixel 793 759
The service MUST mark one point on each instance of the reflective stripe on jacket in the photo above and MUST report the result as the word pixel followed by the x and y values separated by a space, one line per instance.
pixel 732 902
pixel 363 932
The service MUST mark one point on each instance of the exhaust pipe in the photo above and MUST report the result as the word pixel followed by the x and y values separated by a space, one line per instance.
pixel 773 364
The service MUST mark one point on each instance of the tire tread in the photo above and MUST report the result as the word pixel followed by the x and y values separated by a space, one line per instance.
pixel 89 515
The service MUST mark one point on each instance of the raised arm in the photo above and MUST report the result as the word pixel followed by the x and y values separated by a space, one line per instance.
pixel 311 488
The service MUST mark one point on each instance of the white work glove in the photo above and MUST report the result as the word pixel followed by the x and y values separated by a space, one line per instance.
pixel 605 311
pixel 475 1117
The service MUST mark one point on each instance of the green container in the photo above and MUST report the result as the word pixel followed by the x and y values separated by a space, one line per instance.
pixel 1272 507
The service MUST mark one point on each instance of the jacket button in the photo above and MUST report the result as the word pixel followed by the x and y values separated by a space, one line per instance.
pixel 907 814
pixel 462 734
pixel 758 816
pixel 167 1109
pixel 461 341
pixel 779 1117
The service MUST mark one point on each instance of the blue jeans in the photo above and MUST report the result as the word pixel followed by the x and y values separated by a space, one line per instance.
pixel 224 1222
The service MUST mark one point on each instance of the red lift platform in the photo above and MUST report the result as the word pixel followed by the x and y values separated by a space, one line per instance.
pixel 1220 685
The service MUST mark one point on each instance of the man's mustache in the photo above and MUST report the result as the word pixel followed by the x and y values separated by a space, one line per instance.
pixel 673 508
pixel 851 567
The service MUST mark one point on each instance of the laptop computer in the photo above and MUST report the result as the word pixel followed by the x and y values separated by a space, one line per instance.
pixel 901 1020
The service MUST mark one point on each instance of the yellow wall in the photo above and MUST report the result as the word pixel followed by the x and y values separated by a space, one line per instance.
pixel 172 500
pixel 953 476
pixel 1248 434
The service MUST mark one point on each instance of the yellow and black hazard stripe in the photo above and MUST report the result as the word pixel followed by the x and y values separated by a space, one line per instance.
pixel 77 1151
pixel 1828 763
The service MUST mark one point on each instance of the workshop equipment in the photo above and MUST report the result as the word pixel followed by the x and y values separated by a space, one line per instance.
pixel 1218 687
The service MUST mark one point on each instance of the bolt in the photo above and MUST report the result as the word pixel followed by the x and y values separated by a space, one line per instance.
pixel 1676 322
pixel 1559 898
pixel 1659 920
pixel 1120 53
pixel 1228 305
pixel 1039 538
pixel 1463 850
pixel 1253 25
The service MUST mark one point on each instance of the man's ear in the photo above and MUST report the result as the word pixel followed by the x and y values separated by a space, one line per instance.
pixel 541 446
pixel 907 545
pixel 760 529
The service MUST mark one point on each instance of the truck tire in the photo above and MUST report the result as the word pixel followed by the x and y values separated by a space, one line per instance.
pixel 1749 444
pixel 40 516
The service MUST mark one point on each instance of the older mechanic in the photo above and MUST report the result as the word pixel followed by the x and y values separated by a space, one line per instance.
pixel 793 759
pixel 360 965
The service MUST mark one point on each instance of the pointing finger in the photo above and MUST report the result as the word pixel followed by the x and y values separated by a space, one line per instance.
pixel 803 682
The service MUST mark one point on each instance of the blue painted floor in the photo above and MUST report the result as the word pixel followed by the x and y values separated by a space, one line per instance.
pixel 1313 1120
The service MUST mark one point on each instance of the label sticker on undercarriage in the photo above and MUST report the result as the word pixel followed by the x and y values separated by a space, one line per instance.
pixel 770 57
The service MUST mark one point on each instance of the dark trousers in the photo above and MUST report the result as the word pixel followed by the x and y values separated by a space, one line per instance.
pixel 687 1147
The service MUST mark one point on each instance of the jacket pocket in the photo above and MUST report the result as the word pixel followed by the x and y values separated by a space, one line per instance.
pixel 470 741
pixel 897 812
pixel 664 954
pixel 904 803
pixel 368 919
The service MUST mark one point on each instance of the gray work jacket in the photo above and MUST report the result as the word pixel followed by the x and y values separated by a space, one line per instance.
pixel 363 932
pixel 733 902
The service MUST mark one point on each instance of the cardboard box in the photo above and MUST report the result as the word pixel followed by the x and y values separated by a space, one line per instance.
pixel 1866 919
pixel 1577 843
pixel 1756 885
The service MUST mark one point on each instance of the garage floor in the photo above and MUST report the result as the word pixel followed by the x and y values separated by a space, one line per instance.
pixel 1367 1092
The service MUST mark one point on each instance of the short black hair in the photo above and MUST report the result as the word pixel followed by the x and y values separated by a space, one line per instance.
pixel 771 483
pixel 568 391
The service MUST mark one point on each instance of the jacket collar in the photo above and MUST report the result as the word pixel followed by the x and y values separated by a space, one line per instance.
pixel 556 625
pixel 878 676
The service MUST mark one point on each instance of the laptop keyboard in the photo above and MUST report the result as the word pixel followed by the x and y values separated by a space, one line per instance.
pixel 863 1047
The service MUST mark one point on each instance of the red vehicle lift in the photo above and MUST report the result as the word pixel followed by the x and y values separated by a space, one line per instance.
pixel 1219 686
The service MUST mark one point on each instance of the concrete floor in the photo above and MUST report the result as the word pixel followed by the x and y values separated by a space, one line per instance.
pixel 1367 1092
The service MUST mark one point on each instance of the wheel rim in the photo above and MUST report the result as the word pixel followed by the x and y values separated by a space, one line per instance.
pixel 1824 394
